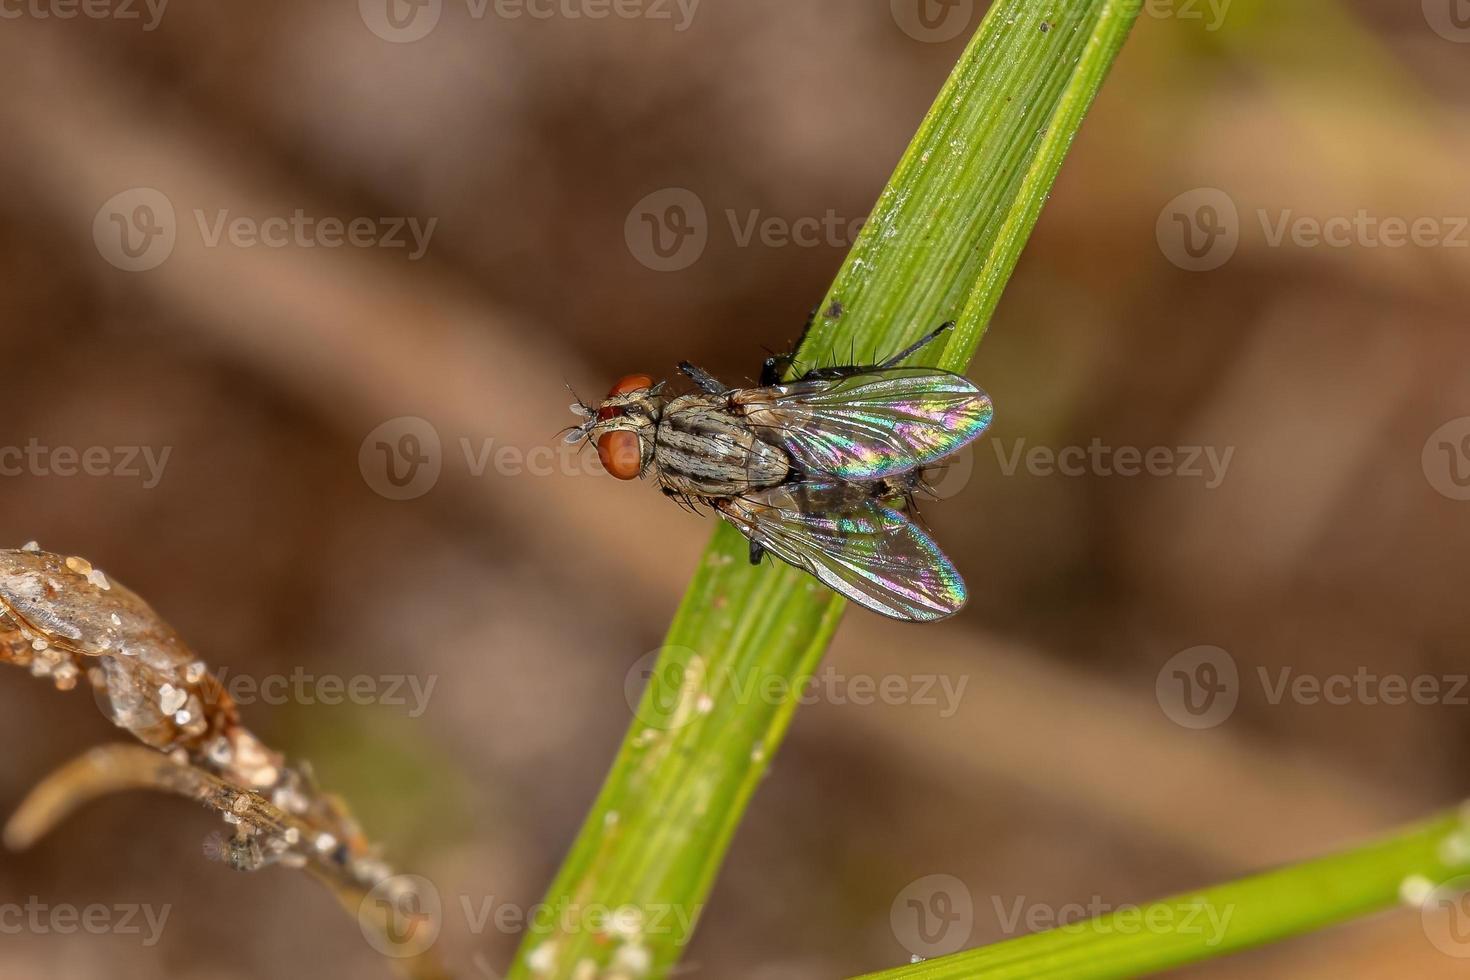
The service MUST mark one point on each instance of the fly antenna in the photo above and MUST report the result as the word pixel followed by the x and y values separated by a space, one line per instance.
pixel 582 431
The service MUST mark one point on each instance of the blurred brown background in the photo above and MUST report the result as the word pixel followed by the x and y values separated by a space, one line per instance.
pixel 525 589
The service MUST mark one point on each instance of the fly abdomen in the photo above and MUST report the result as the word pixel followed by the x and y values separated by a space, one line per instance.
pixel 704 451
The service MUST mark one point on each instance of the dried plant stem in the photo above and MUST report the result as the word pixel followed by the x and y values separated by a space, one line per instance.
pixel 64 620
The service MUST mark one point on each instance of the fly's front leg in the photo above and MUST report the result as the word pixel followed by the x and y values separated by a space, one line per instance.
pixel 702 378
pixel 776 365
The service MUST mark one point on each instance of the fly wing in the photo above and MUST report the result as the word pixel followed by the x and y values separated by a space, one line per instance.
pixel 873 425
pixel 856 545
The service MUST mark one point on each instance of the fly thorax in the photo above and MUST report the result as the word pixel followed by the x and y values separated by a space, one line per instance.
pixel 703 449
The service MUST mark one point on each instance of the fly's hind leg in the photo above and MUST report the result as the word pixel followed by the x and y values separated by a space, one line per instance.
pixel 702 378
pixel 847 371
pixel 914 348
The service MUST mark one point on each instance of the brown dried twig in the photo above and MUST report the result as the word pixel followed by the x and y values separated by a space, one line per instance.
pixel 65 620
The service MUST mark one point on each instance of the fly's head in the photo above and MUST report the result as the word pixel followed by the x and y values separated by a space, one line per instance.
pixel 622 427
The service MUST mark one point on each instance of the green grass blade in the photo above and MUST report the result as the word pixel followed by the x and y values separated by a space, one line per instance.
pixel 941 244
pixel 1409 865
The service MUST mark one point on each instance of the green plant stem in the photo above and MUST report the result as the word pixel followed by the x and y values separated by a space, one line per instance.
pixel 1226 918
pixel 941 244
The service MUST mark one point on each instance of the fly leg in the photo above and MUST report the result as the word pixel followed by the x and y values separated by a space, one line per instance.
pixel 702 378
pixel 914 348
pixel 757 552
pixel 773 368
pixel 776 365
pixel 847 371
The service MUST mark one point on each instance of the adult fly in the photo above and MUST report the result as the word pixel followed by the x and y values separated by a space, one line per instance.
pixel 820 471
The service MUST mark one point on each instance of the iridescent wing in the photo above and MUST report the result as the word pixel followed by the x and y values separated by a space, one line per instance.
pixel 855 544
pixel 872 425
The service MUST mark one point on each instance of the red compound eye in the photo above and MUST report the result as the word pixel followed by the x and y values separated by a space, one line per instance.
pixel 633 382
pixel 620 451
pixel 621 454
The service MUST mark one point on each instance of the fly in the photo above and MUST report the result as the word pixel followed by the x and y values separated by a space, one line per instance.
pixel 819 472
